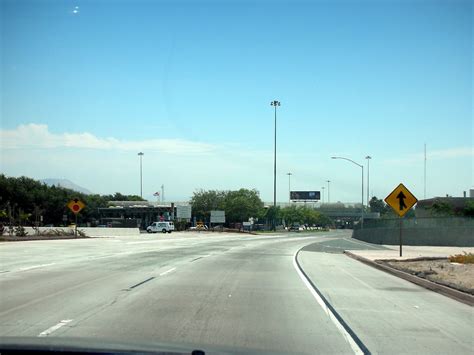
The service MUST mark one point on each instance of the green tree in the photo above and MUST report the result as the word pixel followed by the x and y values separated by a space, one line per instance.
pixel 469 209
pixel 242 204
pixel 304 215
pixel 202 202
pixel 441 208
pixel 272 215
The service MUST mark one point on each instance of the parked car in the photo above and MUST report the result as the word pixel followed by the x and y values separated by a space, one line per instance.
pixel 164 227
pixel 295 227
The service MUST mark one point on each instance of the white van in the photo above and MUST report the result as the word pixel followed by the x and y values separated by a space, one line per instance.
pixel 160 227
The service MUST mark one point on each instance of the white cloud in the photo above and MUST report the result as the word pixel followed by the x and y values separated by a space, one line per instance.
pixel 38 136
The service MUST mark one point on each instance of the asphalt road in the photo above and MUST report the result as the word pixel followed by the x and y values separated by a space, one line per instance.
pixel 240 292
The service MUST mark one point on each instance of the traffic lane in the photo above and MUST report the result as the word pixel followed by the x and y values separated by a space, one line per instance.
pixel 390 315
pixel 34 254
pixel 29 255
pixel 26 297
pixel 249 297
pixel 84 284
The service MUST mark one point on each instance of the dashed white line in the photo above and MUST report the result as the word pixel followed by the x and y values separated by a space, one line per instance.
pixel 168 271
pixel 34 267
pixel 54 328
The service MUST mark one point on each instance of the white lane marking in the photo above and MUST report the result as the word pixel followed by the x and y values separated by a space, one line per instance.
pixel 355 348
pixel 54 328
pixel 144 242
pixel 168 271
pixel 34 267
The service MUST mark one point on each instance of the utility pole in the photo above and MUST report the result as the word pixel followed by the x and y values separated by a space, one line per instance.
pixel 424 177
pixel 141 174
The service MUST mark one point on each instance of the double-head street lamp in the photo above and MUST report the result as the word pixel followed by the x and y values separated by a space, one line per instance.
pixel 275 103
pixel 141 175
pixel 362 167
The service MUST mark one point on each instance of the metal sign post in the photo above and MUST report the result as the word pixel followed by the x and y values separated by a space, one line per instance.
pixel 75 226
pixel 401 222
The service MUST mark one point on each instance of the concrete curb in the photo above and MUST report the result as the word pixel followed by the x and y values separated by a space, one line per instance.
pixel 430 285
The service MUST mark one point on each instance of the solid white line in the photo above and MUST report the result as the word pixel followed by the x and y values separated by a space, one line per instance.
pixel 355 348
pixel 34 267
pixel 167 271
pixel 54 328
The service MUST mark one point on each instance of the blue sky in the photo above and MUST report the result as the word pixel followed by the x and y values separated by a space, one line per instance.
pixel 189 83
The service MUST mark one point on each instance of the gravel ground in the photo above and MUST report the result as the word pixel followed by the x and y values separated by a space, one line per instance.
pixel 442 271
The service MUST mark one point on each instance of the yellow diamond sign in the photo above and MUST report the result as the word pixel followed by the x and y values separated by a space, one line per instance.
pixel 401 200
pixel 76 205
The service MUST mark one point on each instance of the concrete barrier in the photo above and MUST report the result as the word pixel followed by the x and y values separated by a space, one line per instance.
pixel 93 231
pixel 453 231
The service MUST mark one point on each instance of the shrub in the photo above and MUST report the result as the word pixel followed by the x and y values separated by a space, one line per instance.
pixel 466 258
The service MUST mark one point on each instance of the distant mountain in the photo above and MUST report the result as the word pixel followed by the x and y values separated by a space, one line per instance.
pixel 68 184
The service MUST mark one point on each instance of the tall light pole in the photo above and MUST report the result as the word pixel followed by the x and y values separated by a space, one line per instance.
pixel 329 200
pixel 322 188
pixel 275 103
pixel 368 157
pixel 141 174
pixel 362 167
pixel 289 187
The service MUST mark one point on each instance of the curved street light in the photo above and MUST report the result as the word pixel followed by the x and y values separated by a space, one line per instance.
pixel 362 167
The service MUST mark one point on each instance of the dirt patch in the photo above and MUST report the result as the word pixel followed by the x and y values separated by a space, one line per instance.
pixel 441 271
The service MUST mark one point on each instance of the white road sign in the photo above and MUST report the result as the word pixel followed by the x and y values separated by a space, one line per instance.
pixel 183 212
pixel 217 216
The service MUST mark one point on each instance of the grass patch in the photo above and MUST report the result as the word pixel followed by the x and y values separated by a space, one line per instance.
pixel 466 258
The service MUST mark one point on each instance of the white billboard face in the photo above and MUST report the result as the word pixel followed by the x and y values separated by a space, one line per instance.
pixel 183 212
pixel 217 216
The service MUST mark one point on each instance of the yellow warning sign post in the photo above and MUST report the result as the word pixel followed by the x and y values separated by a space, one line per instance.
pixel 75 206
pixel 401 200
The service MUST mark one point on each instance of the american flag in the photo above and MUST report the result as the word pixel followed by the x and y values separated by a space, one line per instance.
pixel 156 194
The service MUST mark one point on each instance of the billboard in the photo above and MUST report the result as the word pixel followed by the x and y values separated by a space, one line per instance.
pixel 183 212
pixel 217 216
pixel 305 195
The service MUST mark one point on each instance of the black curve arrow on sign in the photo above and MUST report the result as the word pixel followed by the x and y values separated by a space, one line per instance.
pixel 401 199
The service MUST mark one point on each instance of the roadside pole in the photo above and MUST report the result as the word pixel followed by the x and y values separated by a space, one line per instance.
pixel 75 226
pixel 401 223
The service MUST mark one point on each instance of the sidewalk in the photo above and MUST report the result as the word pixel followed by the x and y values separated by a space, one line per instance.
pixel 410 252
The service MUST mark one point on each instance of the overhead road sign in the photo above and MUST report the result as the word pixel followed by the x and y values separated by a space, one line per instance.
pixel 401 200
